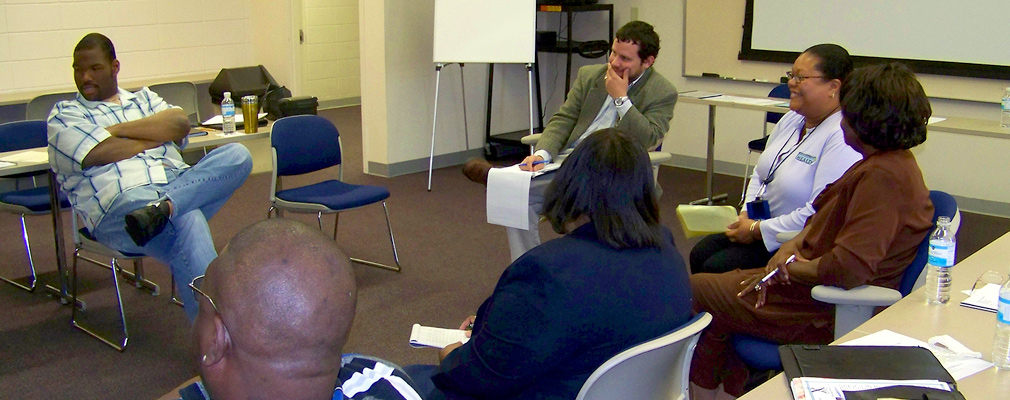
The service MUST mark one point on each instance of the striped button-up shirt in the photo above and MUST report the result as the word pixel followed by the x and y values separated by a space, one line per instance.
pixel 77 126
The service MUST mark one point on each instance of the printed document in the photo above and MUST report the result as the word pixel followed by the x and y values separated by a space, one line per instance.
pixel 958 360
pixel 508 195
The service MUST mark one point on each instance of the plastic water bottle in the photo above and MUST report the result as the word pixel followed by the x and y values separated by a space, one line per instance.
pixel 941 258
pixel 228 114
pixel 1001 346
pixel 1004 116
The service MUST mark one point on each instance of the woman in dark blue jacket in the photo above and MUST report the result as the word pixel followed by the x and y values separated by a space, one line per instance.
pixel 565 307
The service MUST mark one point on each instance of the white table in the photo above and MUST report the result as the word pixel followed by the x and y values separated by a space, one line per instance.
pixel 912 317
pixel 720 101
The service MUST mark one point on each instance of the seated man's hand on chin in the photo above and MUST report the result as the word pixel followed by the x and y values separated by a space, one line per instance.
pixel 532 163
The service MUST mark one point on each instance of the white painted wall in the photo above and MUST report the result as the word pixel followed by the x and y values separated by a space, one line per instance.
pixel 969 167
pixel 156 40
pixel 398 108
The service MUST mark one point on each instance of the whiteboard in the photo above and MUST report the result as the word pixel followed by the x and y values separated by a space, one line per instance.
pixel 485 31
pixel 971 32
pixel 712 33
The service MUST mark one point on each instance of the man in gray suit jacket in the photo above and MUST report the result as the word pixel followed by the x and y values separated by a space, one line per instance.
pixel 625 93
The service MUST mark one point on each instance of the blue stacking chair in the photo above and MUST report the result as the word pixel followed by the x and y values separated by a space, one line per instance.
pixel 758 145
pixel 856 305
pixel 22 135
pixel 309 143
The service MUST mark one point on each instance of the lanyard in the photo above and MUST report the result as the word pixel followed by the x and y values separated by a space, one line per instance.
pixel 781 157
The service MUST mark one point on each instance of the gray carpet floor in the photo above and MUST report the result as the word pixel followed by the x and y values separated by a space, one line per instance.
pixel 451 260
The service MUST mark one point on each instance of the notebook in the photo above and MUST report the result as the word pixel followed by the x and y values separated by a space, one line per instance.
pixel 862 364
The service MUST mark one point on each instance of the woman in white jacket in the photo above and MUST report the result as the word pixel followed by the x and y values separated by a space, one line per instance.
pixel 805 152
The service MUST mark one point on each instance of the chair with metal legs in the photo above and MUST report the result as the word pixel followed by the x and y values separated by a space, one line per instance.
pixel 88 249
pixel 22 135
pixel 308 143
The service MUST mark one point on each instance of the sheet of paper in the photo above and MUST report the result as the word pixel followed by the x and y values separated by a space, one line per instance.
pixel 508 197
pixel 933 120
pixel 699 94
pixel 5 164
pixel 239 118
pixel 958 366
pixel 30 156
pixel 426 336
pixel 747 100
pixel 984 298
pixel 807 388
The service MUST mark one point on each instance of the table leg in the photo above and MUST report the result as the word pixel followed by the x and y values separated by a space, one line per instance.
pixel 710 164
pixel 61 258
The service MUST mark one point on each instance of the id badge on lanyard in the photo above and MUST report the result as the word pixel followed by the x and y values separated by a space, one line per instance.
pixel 759 209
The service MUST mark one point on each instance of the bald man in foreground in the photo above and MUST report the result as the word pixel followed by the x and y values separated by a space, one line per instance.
pixel 275 310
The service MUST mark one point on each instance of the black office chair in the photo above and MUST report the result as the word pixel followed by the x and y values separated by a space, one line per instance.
pixel 758 145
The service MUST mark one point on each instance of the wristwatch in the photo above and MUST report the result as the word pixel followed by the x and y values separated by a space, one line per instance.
pixel 620 101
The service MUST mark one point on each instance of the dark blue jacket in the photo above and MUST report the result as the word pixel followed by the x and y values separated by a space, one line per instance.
pixel 560 311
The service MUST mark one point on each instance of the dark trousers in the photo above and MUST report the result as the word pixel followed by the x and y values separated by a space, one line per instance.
pixel 716 254
pixel 421 375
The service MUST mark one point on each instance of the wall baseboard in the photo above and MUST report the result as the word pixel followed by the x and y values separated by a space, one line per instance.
pixel 421 164
pixel 338 103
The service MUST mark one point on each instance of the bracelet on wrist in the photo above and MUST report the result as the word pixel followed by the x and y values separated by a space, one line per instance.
pixel 755 230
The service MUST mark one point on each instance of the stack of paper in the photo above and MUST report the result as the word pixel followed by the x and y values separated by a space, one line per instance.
pixel 806 388
pixel 958 360
pixel 239 118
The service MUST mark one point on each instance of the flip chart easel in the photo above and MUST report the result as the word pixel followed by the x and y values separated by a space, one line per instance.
pixel 482 31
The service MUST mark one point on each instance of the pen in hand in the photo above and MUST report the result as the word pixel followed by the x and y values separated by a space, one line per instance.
pixel 534 163
pixel 770 275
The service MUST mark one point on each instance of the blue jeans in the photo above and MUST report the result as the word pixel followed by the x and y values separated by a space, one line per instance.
pixel 196 194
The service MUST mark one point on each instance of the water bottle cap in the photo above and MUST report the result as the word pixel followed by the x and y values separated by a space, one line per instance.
pixel 228 94
pixel 943 219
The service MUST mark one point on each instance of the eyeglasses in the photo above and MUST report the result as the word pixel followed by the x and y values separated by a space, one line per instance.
pixel 985 279
pixel 195 285
pixel 798 78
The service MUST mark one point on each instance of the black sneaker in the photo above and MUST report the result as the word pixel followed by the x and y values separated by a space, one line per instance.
pixel 143 224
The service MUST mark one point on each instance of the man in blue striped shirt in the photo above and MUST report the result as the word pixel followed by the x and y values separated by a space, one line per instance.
pixel 117 156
